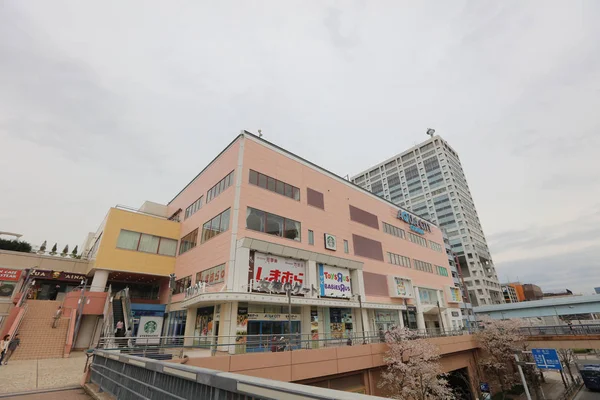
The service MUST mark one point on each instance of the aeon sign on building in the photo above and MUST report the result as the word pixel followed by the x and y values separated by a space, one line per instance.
pixel 416 224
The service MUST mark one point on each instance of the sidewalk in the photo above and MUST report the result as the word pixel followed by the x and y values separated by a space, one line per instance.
pixel 553 388
pixel 26 375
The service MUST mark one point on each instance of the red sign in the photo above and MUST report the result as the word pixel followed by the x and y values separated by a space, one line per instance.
pixel 9 274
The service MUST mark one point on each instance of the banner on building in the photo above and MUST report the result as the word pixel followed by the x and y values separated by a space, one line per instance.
pixel 149 330
pixel 334 281
pixel 455 296
pixel 400 287
pixel 272 317
pixel 271 273
pixel 58 275
pixel 10 274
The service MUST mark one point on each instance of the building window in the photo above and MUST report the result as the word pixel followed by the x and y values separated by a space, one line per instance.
pixel 441 270
pixel 311 237
pixel 346 247
pixel 182 284
pixel 435 246
pixel 272 224
pixel 195 206
pixel 417 239
pixel 423 266
pixel 274 185
pixel 215 226
pixel 219 187
pixel 397 259
pixel 393 230
pixel 189 241
pixel 143 242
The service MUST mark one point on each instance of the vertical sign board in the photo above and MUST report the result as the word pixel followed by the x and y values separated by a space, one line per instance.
pixel 546 358
pixel 149 330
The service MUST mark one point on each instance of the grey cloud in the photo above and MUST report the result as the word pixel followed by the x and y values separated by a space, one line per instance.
pixel 578 271
pixel 333 23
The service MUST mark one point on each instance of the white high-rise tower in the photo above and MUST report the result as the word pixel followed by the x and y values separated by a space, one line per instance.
pixel 428 180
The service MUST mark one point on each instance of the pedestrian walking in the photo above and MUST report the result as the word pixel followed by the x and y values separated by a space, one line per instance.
pixel 57 316
pixel 12 346
pixel 129 334
pixel 119 333
pixel 4 347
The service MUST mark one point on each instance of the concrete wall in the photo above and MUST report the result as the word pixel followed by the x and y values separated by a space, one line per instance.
pixel 307 364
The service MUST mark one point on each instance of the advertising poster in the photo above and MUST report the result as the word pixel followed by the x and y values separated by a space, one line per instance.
pixel 12 275
pixel 455 295
pixel 401 287
pixel 277 269
pixel 242 325
pixel 149 330
pixel 334 282
pixel 212 275
pixel 314 324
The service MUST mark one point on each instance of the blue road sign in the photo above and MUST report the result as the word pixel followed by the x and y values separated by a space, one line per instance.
pixel 546 358
pixel 485 387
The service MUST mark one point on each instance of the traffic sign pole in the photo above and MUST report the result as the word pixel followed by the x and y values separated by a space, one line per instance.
pixel 522 377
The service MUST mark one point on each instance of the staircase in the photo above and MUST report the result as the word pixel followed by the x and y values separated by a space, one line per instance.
pixel 38 338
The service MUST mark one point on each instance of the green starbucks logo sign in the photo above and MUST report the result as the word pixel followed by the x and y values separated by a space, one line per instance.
pixel 150 327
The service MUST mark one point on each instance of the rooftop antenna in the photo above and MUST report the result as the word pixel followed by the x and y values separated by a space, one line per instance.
pixel 430 132
pixel 260 133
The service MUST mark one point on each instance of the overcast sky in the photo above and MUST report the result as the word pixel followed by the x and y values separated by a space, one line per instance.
pixel 117 102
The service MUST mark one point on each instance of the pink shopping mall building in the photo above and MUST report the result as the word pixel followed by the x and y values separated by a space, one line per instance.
pixel 259 221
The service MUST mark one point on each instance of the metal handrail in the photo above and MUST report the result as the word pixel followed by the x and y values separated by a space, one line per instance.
pixel 568 330
pixel 25 309
pixel 257 343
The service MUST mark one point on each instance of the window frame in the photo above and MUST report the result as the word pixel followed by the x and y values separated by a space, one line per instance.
pixel 203 238
pixel 272 184
pixel 298 228
pixel 220 187
pixel 139 239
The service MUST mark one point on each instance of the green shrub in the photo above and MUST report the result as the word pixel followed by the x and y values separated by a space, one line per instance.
pixel 15 245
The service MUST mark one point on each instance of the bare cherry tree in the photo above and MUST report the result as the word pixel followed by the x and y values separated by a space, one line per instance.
pixel 567 357
pixel 413 369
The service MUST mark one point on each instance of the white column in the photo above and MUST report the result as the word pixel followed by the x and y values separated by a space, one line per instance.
pixel 239 274
pixel 420 317
pixel 305 324
pixel 190 325
pixel 228 326
pixel 312 278
pixel 401 323
pixel 99 280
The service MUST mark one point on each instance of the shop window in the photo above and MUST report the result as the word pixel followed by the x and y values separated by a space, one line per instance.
pixel 195 206
pixel 219 187
pixel 272 224
pixel 143 242
pixel 274 185
pixel 189 241
pixel 215 226
pixel 182 284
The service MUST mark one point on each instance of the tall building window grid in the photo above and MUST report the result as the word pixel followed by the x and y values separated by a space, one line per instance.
pixel 272 224
pixel 423 266
pixel 195 206
pixel 145 243
pixel 417 239
pixel 443 271
pixel 219 188
pixel 393 230
pixel 435 246
pixel 397 259
pixel 215 226
pixel 273 185
pixel 188 242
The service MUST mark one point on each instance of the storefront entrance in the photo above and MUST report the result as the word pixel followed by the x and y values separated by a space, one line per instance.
pixel 340 322
pixel 270 330
pixel 203 329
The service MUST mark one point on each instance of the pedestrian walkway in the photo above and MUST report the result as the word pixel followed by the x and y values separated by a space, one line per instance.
pixel 27 375
pixel 38 338
pixel 553 388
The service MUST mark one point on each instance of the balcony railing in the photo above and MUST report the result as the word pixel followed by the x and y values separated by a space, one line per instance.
pixel 167 347
pixel 575 330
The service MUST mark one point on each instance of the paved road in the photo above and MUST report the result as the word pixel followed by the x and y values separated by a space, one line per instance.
pixel 75 394
pixel 585 394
